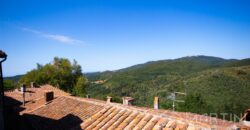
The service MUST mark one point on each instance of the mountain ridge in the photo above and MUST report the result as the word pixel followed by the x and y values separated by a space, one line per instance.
pixel 201 74
pixel 212 84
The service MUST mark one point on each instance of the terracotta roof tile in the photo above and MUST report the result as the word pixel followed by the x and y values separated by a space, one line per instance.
pixel 34 97
pixel 127 120
pixel 181 127
pixel 102 117
pixel 68 112
pixel 118 118
pixel 151 124
pixel 171 124
pixel 193 128
pixel 111 121
pixel 122 117
pixel 160 124
pixel 62 107
pixel 92 119
pixel 143 122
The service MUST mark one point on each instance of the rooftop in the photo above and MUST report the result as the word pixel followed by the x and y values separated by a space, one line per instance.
pixel 69 112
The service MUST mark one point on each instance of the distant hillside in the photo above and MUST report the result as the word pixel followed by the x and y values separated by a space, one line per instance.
pixel 13 78
pixel 238 63
pixel 11 83
pixel 98 75
pixel 212 84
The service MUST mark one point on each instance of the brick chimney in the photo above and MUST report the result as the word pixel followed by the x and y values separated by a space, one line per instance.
pixel 48 96
pixel 156 103
pixel 32 84
pixel 23 90
pixel 127 100
pixel 109 99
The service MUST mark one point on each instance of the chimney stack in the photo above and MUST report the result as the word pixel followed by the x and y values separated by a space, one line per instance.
pixel 32 84
pixel 23 89
pixel 156 103
pixel 109 99
pixel 127 100
pixel 48 96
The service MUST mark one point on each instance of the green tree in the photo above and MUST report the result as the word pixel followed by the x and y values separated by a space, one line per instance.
pixel 194 103
pixel 60 73
pixel 9 84
pixel 80 87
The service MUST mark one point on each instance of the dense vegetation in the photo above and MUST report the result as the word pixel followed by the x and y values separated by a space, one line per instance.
pixel 13 78
pixel 11 83
pixel 213 85
pixel 60 73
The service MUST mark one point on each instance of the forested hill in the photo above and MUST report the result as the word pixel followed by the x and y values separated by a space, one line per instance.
pixel 212 84
pixel 13 78
pixel 176 67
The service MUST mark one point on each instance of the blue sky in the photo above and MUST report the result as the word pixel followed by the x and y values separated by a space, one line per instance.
pixel 113 34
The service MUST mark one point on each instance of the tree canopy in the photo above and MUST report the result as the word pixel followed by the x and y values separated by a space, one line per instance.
pixel 60 73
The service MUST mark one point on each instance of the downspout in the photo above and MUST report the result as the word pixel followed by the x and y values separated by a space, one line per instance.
pixel 4 56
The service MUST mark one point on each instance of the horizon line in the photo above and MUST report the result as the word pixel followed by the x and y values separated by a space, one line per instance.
pixel 100 71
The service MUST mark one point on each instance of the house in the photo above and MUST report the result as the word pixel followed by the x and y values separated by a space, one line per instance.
pixel 47 107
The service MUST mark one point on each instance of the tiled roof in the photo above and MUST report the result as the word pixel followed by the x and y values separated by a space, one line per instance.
pixel 34 93
pixel 118 117
pixel 68 112
pixel 34 97
pixel 62 113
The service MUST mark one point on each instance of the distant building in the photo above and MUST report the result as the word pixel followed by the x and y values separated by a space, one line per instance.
pixel 98 82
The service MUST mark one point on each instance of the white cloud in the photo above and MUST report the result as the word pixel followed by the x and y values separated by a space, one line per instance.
pixel 63 39
pixel 56 37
